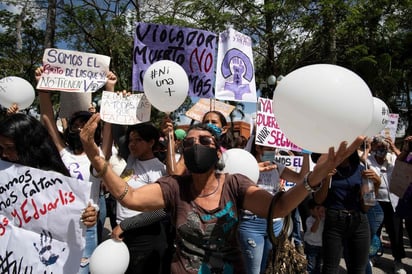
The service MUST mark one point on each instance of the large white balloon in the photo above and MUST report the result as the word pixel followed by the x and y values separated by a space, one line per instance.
pixel 165 84
pixel 380 117
pixel 110 256
pixel 241 161
pixel 16 90
pixel 319 106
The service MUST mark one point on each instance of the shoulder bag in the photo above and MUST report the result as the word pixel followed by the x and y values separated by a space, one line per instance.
pixel 284 258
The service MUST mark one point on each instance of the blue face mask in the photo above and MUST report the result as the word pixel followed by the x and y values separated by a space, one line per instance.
pixel 268 155
pixel 217 130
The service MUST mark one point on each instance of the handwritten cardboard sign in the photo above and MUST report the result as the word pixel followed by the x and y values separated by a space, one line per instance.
pixel 401 178
pixel 204 105
pixel 40 228
pixel 193 49
pixel 235 73
pixel 73 71
pixel 268 132
pixel 124 110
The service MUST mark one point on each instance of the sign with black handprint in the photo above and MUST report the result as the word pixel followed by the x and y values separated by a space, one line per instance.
pixel 40 228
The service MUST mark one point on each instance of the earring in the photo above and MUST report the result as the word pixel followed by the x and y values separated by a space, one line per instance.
pixel 220 165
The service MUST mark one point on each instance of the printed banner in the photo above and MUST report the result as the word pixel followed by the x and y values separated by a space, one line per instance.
pixel 40 228
pixel 73 71
pixel 204 105
pixel 268 132
pixel 235 73
pixel 193 49
pixel 124 110
pixel 391 126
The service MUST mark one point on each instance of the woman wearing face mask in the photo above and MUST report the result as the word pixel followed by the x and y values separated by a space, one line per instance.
pixel 252 229
pixel 382 154
pixel 216 122
pixel 205 204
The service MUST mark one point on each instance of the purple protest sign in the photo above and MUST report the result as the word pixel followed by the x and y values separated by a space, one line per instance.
pixel 193 49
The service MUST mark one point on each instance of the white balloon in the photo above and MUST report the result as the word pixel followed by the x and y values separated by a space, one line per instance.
pixel 238 160
pixel 319 106
pixel 110 256
pixel 380 117
pixel 166 85
pixel 16 90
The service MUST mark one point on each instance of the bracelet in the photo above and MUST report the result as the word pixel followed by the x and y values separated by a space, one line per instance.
pixel 306 184
pixel 126 189
pixel 102 172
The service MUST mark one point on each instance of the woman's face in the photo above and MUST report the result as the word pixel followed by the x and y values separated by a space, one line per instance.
pixel 212 118
pixel 8 149
pixel 140 148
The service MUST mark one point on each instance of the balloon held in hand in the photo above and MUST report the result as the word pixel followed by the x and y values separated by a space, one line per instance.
pixel 319 106
pixel 16 90
pixel 166 85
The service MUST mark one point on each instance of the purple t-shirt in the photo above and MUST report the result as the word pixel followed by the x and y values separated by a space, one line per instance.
pixel 206 240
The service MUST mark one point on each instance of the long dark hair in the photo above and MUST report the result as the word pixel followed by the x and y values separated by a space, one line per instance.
pixel 227 139
pixel 34 145
pixel 147 131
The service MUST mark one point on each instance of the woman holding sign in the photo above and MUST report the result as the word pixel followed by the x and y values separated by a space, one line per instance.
pixel 205 205
pixel 73 156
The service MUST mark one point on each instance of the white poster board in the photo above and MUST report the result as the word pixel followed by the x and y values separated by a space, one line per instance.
pixel 235 72
pixel 73 71
pixel 124 110
pixel 40 228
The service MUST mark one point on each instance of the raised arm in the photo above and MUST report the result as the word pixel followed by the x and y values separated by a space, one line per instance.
pixel 257 201
pixel 47 114
pixel 107 138
pixel 145 198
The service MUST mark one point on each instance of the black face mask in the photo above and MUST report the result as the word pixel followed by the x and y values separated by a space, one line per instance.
pixel 200 158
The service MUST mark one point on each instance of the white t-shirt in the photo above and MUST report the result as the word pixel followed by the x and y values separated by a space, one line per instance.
pixel 79 168
pixel 384 171
pixel 144 172
pixel 313 238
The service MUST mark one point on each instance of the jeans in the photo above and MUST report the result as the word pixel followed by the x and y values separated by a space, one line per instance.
pixel 375 218
pixel 255 243
pixel 348 232
pixel 91 244
pixel 394 227
pixel 102 218
pixel 314 257
pixel 297 227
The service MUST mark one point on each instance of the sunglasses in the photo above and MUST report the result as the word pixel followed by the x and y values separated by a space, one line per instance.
pixel 204 140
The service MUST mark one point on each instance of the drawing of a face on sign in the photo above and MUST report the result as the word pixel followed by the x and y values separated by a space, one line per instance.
pixel 165 85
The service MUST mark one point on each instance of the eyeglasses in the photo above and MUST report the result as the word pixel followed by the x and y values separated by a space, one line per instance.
pixel 204 140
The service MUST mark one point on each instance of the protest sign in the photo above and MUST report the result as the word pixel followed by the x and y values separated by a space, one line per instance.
pixel 40 228
pixel 292 162
pixel 73 71
pixel 235 73
pixel 204 105
pixel 401 178
pixel 391 126
pixel 268 132
pixel 193 49
pixel 124 110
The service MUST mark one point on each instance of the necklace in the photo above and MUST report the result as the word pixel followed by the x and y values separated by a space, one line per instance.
pixel 211 193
